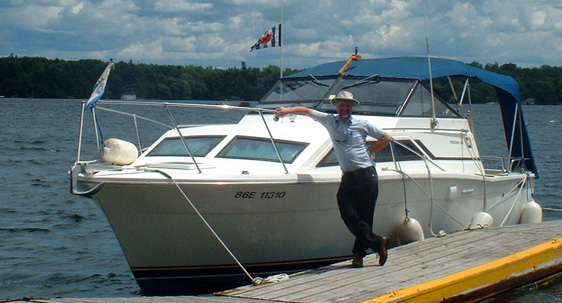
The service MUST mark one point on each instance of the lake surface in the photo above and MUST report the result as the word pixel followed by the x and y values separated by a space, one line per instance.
pixel 54 244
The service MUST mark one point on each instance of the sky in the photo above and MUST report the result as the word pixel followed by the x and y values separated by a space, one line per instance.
pixel 219 33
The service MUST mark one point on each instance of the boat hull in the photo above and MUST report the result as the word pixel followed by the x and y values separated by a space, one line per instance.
pixel 277 227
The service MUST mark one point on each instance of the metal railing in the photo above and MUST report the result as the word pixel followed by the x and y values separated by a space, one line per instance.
pixel 166 106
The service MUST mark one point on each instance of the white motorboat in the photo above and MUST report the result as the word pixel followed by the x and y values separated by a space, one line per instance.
pixel 207 207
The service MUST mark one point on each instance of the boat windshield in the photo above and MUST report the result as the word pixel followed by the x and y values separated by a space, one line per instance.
pixel 305 91
pixel 378 96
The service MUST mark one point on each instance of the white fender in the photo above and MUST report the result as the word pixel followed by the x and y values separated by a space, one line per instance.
pixel 409 231
pixel 482 220
pixel 119 152
pixel 531 213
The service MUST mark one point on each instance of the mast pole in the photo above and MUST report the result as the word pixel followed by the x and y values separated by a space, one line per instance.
pixel 433 118
pixel 281 42
pixel 281 54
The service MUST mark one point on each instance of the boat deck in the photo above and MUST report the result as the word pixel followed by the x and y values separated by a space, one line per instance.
pixel 463 266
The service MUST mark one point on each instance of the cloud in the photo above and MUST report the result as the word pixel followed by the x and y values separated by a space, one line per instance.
pixel 178 6
pixel 220 33
pixel 30 17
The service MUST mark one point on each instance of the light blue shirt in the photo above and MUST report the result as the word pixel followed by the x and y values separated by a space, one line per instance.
pixel 349 139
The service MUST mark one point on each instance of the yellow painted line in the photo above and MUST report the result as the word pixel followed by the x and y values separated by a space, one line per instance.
pixel 477 277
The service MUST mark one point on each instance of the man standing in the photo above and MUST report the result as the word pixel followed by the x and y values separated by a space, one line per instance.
pixel 358 191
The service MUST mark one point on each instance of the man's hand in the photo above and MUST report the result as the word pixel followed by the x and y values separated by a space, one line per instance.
pixel 297 110
pixel 381 143
pixel 282 111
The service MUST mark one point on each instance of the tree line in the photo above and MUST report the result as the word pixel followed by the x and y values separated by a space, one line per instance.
pixel 37 77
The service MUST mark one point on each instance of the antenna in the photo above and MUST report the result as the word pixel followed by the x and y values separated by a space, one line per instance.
pixel 433 118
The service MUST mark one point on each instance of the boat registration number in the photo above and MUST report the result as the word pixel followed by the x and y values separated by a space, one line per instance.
pixel 259 195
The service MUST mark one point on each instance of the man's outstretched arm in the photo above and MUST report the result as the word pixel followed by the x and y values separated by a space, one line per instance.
pixel 297 110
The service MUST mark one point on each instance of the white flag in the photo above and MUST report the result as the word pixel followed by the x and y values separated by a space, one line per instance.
pixel 99 87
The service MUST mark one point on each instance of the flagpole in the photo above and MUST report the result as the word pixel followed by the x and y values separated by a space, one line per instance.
pixel 281 38
pixel 281 52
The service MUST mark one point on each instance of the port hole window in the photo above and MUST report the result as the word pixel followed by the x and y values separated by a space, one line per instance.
pixel 261 149
pixel 199 146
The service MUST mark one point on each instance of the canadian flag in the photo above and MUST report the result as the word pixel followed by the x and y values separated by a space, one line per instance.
pixel 270 38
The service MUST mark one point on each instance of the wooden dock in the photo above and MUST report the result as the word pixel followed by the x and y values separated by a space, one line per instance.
pixel 460 267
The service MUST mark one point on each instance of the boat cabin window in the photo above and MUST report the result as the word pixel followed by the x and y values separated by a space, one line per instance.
pixel 406 150
pixel 199 146
pixel 261 149
pixel 330 160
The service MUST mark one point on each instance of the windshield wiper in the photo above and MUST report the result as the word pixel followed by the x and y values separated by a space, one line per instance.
pixel 374 78
pixel 317 82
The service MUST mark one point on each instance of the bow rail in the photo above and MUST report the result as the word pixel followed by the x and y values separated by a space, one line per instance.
pixel 166 106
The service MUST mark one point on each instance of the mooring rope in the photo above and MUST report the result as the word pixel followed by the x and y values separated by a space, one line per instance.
pixel 255 281
pixel 552 209
pixel 508 195
pixel 398 167
pixel 514 201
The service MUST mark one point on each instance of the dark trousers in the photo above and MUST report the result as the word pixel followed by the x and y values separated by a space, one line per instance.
pixel 357 197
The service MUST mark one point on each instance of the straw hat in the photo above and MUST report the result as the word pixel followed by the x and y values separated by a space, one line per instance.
pixel 344 96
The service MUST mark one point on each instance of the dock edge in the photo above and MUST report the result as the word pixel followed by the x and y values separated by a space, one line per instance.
pixel 486 280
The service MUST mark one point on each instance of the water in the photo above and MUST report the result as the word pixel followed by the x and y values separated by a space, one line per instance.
pixel 54 244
